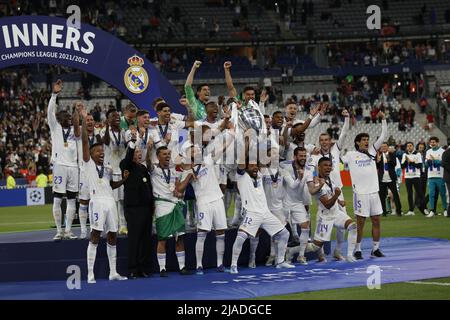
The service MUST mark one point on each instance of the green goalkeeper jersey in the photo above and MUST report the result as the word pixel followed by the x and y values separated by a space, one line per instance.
pixel 198 108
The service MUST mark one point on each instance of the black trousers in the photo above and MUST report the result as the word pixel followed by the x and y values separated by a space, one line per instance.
pixel 139 224
pixel 420 196
pixel 384 186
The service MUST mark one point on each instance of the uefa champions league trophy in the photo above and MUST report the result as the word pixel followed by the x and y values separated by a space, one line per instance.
pixel 247 117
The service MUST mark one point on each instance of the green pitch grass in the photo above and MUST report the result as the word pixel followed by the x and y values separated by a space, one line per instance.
pixel 16 219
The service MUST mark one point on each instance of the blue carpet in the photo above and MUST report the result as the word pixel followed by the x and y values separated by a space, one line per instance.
pixel 406 259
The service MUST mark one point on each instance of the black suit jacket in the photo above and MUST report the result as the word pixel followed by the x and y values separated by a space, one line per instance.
pixel 391 162
pixel 138 190
pixel 446 164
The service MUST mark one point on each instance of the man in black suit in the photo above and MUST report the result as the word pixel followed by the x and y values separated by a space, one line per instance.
pixel 139 207
pixel 386 162
pixel 446 165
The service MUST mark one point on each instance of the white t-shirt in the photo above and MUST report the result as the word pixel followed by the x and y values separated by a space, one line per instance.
pixel 162 189
pixel 252 192
pixel 435 169
pixel 206 187
pixel 273 188
pixel 328 191
pixel 62 153
pixel 116 151
pixel 410 170
pixel 99 187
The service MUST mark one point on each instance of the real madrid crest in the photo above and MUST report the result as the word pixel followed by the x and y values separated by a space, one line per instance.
pixel 136 78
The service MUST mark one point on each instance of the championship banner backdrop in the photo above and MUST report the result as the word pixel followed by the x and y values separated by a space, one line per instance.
pixel 41 39
pixel 35 196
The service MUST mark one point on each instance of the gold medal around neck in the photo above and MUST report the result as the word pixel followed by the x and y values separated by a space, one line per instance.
pixel 66 144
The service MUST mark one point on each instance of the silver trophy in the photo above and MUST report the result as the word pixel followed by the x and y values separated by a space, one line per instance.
pixel 248 117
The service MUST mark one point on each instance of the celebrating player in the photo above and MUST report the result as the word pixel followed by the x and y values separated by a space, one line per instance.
pixel 65 165
pixel 366 201
pixel 102 207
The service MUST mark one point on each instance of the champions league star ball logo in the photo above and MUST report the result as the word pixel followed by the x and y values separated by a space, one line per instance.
pixel 136 78
pixel 35 196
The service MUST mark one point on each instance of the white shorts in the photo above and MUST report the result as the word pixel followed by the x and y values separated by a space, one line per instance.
pixel 367 205
pixel 325 225
pixel 84 187
pixel 103 215
pixel 299 214
pixel 65 179
pixel 255 220
pixel 212 216
pixel 282 215
pixel 118 192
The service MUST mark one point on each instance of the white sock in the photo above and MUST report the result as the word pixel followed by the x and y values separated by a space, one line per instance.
pixel 112 258
pixel 199 247
pixel 57 214
pixel 340 238
pixel 272 248
pixel 220 248
pixel 351 239
pixel 82 212
pixel 295 231
pixel 91 254
pixel 122 221
pixel 180 258
pixel 304 236
pixel 376 245
pixel 358 246
pixel 253 246
pixel 162 261
pixel 281 239
pixel 70 213
pixel 237 247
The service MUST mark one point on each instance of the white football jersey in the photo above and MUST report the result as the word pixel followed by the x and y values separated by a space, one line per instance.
pixel 252 193
pixel 296 188
pixel 63 153
pixel 158 132
pixel 116 151
pixel 313 161
pixel 328 191
pixel 99 178
pixel 273 187
pixel 363 171
pixel 206 187
pixel 163 183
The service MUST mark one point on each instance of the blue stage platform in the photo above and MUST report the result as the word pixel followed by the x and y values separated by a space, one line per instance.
pixel 407 259
pixel 33 256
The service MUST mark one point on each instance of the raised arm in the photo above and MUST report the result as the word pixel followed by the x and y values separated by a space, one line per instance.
pixel 84 136
pixel 190 95
pixel 344 131
pixel 51 110
pixel 76 122
pixel 107 136
pixel 302 128
pixel 127 162
pixel 231 89
pixel 118 184
pixel 383 135
pixel 181 185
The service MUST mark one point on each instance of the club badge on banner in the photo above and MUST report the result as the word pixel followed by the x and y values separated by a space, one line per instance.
pixel 35 196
